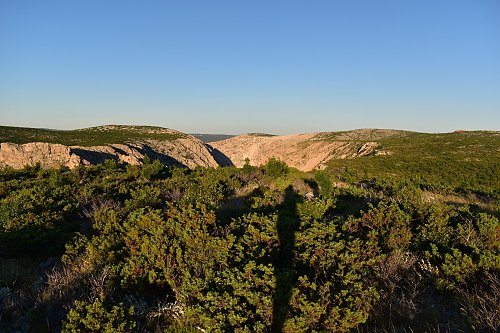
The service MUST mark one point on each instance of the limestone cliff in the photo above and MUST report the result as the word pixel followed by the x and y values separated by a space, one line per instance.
pixel 185 151
pixel 302 151
pixel 48 154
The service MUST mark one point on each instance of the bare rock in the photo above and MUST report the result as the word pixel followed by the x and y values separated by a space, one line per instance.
pixel 305 152
pixel 48 154
pixel 186 151
pixel 366 149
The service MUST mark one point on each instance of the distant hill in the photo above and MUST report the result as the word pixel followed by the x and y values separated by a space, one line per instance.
pixel 462 159
pixel 92 136
pixel 212 137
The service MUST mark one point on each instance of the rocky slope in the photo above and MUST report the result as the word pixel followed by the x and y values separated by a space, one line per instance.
pixel 130 144
pixel 303 151
pixel 48 154
pixel 170 147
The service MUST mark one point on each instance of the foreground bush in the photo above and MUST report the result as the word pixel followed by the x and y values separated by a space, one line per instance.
pixel 147 248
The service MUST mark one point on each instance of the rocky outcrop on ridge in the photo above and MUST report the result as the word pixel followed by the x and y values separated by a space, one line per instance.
pixel 131 144
pixel 186 151
pixel 48 154
pixel 305 152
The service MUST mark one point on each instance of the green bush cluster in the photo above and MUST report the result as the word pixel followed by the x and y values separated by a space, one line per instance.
pixel 96 318
pixel 149 248
pixel 460 243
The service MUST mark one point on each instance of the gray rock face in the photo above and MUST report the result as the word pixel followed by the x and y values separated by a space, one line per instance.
pixel 367 149
pixel 189 152
pixel 48 154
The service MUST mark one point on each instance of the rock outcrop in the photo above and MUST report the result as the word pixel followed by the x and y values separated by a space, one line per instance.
pixel 48 154
pixel 305 152
pixel 186 151
pixel 366 149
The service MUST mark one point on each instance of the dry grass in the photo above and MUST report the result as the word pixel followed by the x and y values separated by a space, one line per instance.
pixel 482 203
pixel 481 304
pixel 401 286
pixel 96 205
pixel 408 303
pixel 62 287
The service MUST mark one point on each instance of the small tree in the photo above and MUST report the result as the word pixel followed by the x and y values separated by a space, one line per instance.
pixel 324 182
pixel 152 170
pixel 275 168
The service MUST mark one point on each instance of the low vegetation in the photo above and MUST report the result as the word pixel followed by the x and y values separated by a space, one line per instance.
pixel 447 162
pixel 94 136
pixel 114 248
pixel 212 137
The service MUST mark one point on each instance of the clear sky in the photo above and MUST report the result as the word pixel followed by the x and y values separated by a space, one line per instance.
pixel 280 67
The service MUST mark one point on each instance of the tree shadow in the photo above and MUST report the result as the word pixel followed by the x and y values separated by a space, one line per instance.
pixel 285 271
pixel 313 185
pixel 235 207
pixel 475 208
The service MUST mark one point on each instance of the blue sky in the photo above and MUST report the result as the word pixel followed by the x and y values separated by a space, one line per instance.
pixel 251 66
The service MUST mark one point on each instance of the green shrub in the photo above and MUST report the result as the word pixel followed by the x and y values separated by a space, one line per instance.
pixel 332 293
pixel 386 225
pixel 150 169
pixel 324 182
pixel 231 249
pixel 98 318
pixel 275 168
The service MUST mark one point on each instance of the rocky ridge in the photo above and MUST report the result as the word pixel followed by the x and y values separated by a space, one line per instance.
pixel 302 151
pixel 305 152
pixel 185 151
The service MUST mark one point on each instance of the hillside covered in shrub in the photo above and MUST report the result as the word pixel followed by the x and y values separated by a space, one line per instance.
pixel 146 248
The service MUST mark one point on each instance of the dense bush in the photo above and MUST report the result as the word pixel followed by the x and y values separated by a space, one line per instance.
pixel 275 168
pixel 148 248
pixel 95 317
